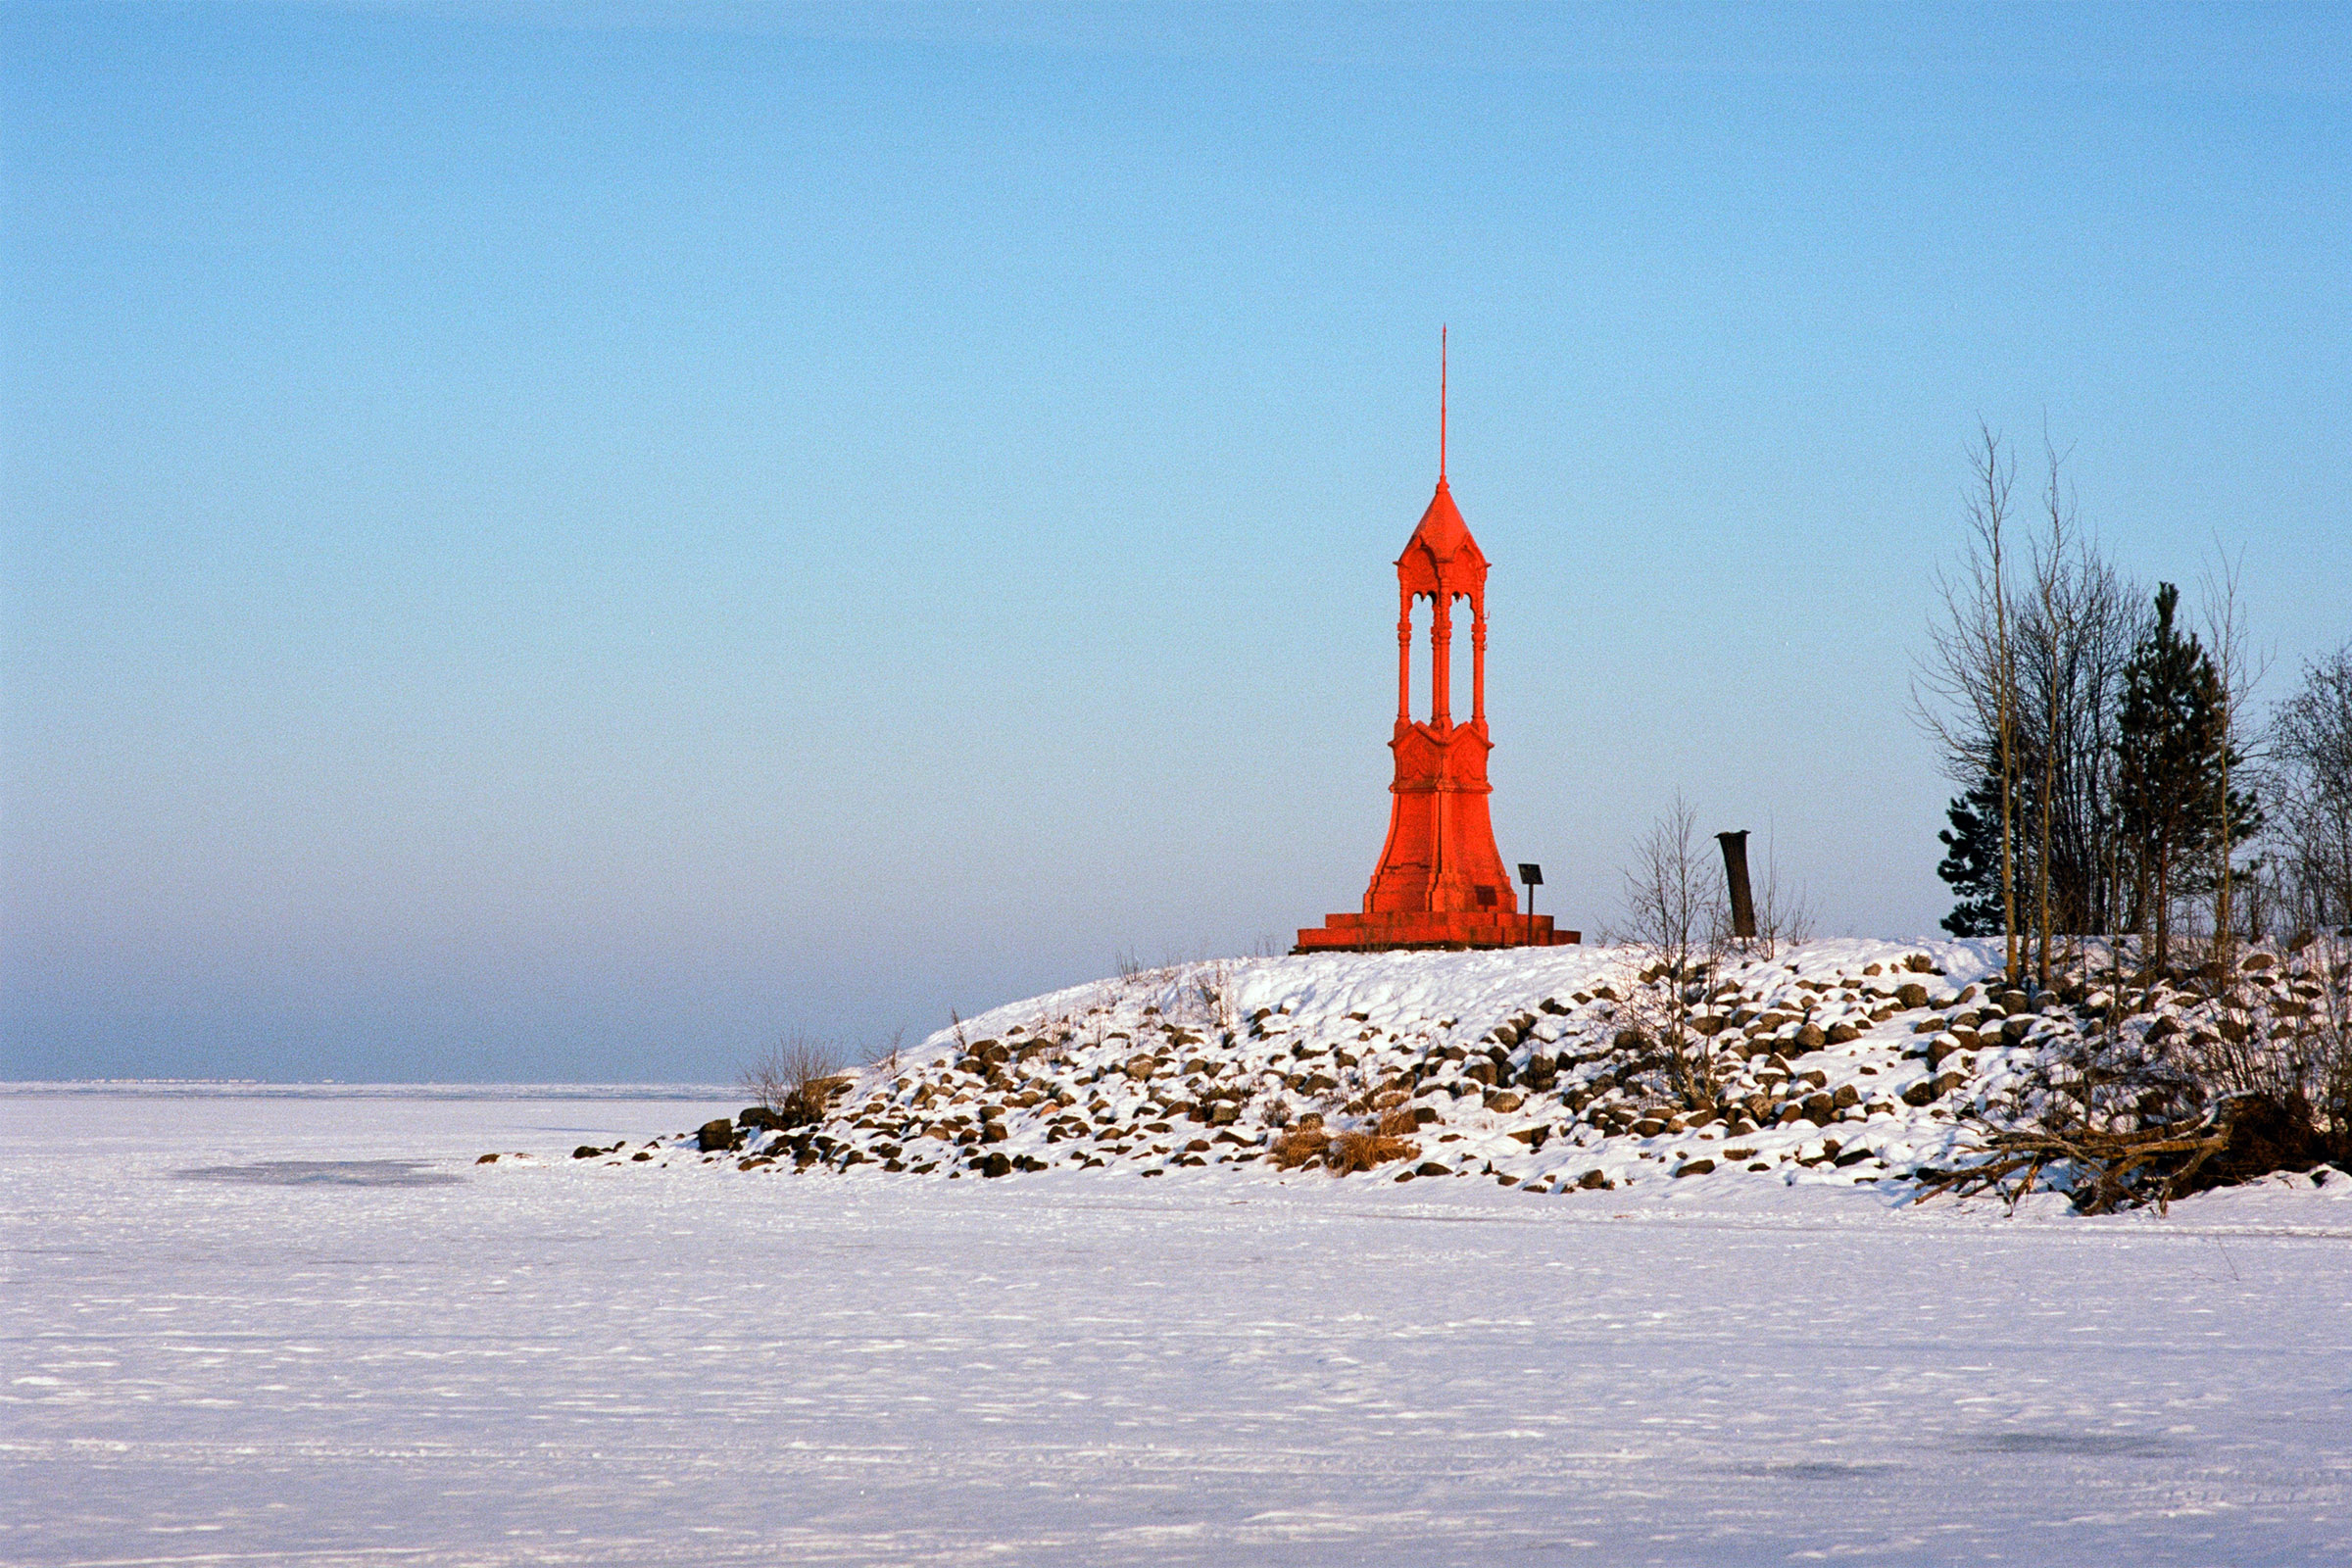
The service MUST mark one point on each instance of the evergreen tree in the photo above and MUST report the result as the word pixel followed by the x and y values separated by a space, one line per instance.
pixel 2171 744
pixel 1972 863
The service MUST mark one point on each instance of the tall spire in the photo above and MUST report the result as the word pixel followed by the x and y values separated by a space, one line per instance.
pixel 1440 404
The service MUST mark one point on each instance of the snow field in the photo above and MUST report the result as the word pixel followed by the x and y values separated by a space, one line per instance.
pixel 347 1342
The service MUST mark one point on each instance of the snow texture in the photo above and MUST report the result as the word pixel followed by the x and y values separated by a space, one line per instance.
pixel 277 1328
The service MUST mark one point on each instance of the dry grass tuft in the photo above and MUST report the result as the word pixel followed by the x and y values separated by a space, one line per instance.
pixel 1374 1146
pixel 1301 1146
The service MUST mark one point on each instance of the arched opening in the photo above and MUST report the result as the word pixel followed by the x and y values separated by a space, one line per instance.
pixel 1423 691
pixel 1457 661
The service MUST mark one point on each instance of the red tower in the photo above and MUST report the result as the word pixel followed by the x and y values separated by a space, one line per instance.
pixel 1441 882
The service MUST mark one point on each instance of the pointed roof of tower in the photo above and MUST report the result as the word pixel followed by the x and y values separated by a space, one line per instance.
pixel 1441 530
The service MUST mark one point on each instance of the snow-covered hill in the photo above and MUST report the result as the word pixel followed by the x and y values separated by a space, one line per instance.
pixel 1835 1062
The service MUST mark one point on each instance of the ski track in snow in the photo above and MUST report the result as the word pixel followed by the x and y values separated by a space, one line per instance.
pixel 543 1363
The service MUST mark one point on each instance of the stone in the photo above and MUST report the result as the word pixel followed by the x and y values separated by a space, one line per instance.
pixel 1592 1181
pixel 584 1151
pixel 1911 994
pixel 1819 1110
pixel 1837 1034
pixel 492 1160
pixel 1503 1103
pixel 1224 1114
pixel 717 1136
pixel 1141 1068
pixel 1846 1095
pixel 1431 1168
pixel 1694 1167
pixel 996 1163
pixel 1810 1038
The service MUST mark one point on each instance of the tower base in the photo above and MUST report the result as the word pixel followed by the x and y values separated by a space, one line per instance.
pixel 1389 931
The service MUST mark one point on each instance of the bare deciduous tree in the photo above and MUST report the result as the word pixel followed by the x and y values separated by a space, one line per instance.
pixel 2240 673
pixel 788 1078
pixel 1965 693
pixel 2310 746
pixel 2021 699
pixel 1674 916
pixel 2049 570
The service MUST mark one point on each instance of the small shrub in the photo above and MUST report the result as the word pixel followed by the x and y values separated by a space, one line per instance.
pixel 792 1079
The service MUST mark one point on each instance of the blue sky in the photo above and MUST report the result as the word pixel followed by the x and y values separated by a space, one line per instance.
pixel 566 541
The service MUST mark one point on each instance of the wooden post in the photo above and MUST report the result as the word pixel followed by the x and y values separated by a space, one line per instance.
pixel 1735 880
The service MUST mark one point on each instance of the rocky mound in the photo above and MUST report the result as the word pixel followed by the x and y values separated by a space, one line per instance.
pixel 1837 1062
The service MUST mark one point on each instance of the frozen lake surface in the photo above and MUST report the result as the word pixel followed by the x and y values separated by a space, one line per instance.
pixel 308 1329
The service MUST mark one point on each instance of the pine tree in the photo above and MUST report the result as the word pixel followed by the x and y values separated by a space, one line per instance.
pixel 1972 865
pixel 2171 746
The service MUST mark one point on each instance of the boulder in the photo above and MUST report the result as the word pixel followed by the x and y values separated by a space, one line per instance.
pixel 1504 1102
pixel 717 1136
pixel 996 1163
pixel 1694 1167
pixel 1911 994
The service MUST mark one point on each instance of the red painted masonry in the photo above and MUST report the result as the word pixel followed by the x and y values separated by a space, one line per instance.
pixel 1441 882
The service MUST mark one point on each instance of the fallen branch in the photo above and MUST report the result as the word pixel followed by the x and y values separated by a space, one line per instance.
pixel 2121 1166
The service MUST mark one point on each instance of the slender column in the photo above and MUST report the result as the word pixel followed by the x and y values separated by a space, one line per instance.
pixel 1405 656
pixel 1441 658
pixel 1478 659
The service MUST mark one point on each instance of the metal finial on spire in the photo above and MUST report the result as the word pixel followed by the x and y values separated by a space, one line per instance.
pixel 1440 404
